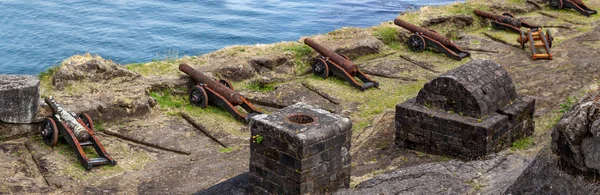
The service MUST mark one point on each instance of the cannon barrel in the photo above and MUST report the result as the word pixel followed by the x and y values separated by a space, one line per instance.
pixel 334 57
pixel 489 15
pixel 504 19
pixel 416 29
pixel 234 97
pixel 80 132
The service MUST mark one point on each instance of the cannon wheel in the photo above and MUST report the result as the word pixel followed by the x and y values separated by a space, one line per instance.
pixel 50 132
pixel 345 56
pixel 87 120
pixel 556 4
pixel 320 68
pixel 549 38
pixel 522 40
pixel 198 97
pixel 416 43
pixel 226 83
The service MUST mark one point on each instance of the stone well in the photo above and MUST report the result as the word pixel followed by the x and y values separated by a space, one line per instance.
pixel 19 96
pixel 299 150
pixel 467 112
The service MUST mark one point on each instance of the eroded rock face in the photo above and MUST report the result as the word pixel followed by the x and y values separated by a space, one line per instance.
pixel 18 98
pixel 92 71
pixel 576 137
pixel 460 21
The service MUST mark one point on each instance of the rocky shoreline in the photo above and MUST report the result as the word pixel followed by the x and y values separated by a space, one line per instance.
pixel 137 107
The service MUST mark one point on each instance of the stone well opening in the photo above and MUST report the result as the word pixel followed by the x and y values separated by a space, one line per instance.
pixel 300 119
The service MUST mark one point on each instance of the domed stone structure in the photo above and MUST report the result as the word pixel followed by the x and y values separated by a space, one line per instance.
pixel 467 112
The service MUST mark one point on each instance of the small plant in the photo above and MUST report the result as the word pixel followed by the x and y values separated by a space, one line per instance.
pixel 254 86
pixel 257 139
pixel 479 120
pixel 522 144
pixel 564 107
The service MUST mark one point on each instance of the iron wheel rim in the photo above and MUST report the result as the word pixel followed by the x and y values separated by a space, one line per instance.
pixel 50 132
pixel 87 120
pixel 198 97
pixel 416 43
pixel 226 83
pixel 320 68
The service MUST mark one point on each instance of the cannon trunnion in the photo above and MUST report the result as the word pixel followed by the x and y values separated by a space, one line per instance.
pixel 77 131
pixel 330 63
pixel 424 38
pixel 219 93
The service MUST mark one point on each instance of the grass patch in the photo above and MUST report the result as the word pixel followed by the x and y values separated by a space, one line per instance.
pixel 254 86
pixel 227 150
pixel 301 51
pixel 387 34
pixel 565 106
pixel 522 144
pixel 45 78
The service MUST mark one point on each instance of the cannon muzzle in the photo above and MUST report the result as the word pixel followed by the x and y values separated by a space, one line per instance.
pixel 231 96
pixel 350 67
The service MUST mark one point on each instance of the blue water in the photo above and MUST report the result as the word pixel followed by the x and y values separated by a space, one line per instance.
pixel 35 35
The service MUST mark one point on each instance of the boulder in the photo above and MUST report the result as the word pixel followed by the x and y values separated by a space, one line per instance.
pixel 19 98
pixel 94 70
pixel 576 137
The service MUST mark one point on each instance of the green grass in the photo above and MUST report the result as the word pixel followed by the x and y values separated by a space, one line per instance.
pixel 522 144
pixel 387 34
pixel 565 106
pixel 226 150
pixel 254 86
pixel 301 52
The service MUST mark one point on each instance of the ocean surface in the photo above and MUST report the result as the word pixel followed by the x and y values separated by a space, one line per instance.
pixel 35 35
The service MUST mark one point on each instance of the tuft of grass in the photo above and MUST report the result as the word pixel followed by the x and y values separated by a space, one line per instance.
pixel 301 51
pixel 565 106
pixel 166 100
pixel 522 144
pixel 254 86
pixel 387 34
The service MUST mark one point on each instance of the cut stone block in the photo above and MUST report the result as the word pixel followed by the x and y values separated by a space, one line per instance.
pixel 468 112
pixel 19 95
pixel 299 150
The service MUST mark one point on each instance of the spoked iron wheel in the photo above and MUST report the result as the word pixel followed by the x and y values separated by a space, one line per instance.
pixel 320 68
pixel 416 43
pixel 198 97
pixel 549 37
pixel 226 83
pixel 556 4
pixel 50 132
pixel 87 120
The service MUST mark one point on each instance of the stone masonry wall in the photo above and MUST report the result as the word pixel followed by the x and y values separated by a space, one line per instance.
pixel 468 112
pixel 292 158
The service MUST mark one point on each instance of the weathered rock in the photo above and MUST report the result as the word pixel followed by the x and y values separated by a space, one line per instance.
pixel 361 44
pixel 546 175
pixel 460 21
pixel 289 94
pixel 575 137
pixel 468 112
pixel 19 98
pixel 267 63
pixel 94 70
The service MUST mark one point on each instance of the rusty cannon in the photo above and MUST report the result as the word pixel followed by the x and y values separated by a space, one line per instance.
pixel 331 63
pixel 424 38
pixel 577 5
pixel 77 131
pixel 506 21
pixel 220 93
